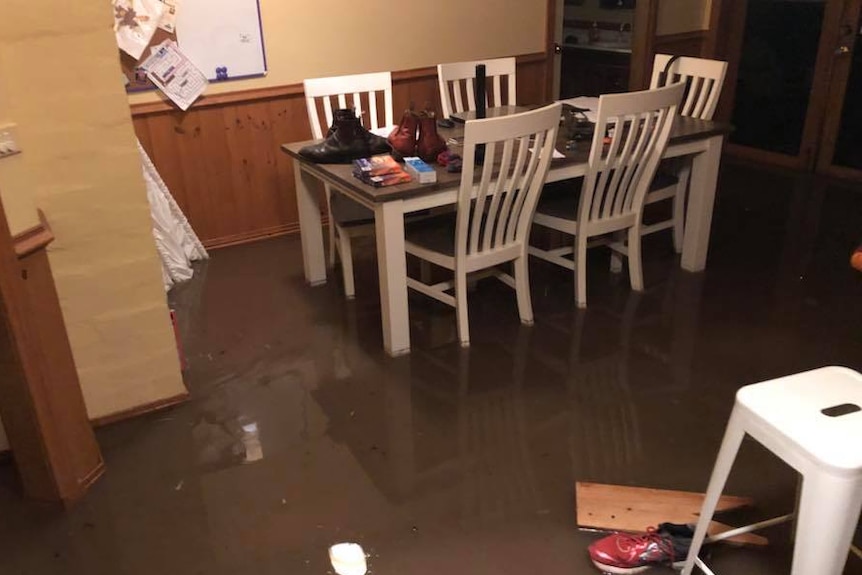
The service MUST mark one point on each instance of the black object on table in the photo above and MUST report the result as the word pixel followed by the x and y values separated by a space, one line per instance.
pixel 481 102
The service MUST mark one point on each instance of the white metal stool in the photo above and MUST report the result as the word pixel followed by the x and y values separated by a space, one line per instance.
pixel 813 421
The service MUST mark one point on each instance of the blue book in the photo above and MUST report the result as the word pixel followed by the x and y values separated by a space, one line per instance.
pixel 421 171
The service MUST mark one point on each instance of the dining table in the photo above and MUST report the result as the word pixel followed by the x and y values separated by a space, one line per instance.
pixel 699 139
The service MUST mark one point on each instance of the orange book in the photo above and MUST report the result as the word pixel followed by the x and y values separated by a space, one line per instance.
pixel 376 166
pixel 390 179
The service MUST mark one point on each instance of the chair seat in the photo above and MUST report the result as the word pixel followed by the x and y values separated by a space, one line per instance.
pixel 791 408
pixel 436 233
pixel 348 212
pixel 560 201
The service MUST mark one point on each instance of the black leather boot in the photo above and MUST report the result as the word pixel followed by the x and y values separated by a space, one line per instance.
pixel 346 141
pixel 341 114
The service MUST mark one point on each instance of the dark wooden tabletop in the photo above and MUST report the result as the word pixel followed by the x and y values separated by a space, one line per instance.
pixel 685 129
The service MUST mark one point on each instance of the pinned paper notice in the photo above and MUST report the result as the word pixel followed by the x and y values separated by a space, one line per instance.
pixel 174 74
pixel 169 17
pixel 135 22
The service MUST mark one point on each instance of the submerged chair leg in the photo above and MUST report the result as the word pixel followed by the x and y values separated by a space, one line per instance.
pixel 636 274
pixel 522 289
pixel 679 206
pixel 581 271
pixel 333 248
pixel 616 257
pixel 461 308
pixel 346 264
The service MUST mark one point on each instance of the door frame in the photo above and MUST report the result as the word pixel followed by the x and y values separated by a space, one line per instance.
pixel 734 28
pixel 643 40
pixel 835 98
pixel 643 44
pixel 555 14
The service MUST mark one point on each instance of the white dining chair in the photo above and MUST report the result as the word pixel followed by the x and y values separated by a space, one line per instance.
pixel 347 218
pixel 457 84
pixel 611 197
pixel 703 80
pixel 496 201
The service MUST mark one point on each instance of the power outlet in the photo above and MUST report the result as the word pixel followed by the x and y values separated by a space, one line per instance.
pixel 9 140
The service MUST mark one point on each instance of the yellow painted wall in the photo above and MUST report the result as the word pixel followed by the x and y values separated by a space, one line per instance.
pixel 328 37
pixel 18 204
pixel 678 16
pixel 60 82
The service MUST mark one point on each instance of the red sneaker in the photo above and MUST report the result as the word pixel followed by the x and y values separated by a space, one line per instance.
pixel 626 554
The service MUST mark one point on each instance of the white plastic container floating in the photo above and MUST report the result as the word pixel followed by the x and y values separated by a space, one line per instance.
pixel 348 559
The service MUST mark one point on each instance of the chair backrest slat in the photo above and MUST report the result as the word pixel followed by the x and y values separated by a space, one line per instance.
pixel 619 173
pixel 540 141
pixel 496 93
pixel 458 77
pixel 322 91
pixel 497 199
pixel 497 193
pixel 704 80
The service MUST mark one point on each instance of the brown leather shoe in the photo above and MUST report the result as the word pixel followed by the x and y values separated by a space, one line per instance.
pixel 403 137
pixel 429 143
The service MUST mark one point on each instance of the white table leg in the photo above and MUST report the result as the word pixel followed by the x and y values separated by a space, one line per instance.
pixel 704 179
pixel 310 226
pixel 392 262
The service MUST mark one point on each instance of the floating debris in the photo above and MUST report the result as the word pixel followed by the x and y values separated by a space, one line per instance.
pixel 348 559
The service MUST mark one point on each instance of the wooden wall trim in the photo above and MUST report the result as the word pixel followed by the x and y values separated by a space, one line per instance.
pixel 694 35
pixel 272 92
pixel 408 75
pixel 220 99
pixel 36 238
pixel 256 235
pixel 534 58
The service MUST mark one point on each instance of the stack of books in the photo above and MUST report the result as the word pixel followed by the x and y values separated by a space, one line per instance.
pixel 380 171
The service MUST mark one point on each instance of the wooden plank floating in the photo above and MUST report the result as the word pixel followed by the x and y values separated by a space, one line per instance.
pixel 633 509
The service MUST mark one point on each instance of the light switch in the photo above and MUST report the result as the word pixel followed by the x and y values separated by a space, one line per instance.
pixel 9 140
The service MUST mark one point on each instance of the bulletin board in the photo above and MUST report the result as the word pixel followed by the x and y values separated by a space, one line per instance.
pixel 223 39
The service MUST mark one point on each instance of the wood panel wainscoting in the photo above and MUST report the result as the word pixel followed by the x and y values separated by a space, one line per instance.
pixel 221 158
pixel 683 44
pixel 41 403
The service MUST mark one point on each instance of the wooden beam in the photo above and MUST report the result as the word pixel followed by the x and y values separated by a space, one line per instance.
pixel 41 403
pixel 643 42
pixel 633 509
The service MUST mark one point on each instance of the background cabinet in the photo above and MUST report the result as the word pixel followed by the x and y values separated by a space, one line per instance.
pixel 591 72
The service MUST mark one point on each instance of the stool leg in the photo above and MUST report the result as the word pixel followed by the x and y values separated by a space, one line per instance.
pixel 828 513
pixel 724 462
